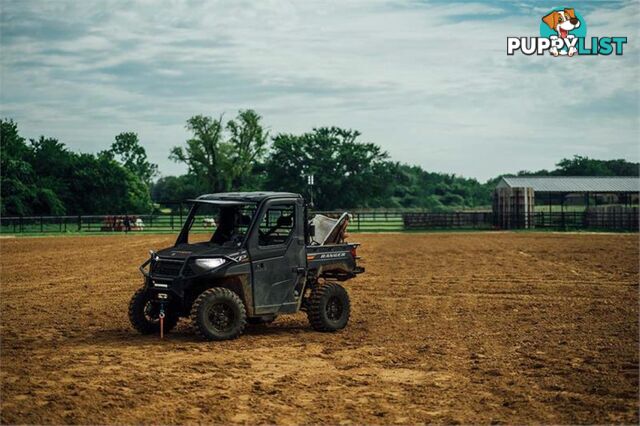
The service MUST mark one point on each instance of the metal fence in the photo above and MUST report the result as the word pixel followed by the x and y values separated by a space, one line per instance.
pixel 361 221
pixel 600 220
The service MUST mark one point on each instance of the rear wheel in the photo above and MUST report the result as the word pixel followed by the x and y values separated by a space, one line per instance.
pixel 144 314
pixel 218 314
pixel 328 307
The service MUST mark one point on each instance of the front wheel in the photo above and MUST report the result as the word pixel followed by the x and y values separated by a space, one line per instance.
pixel 328 307
pixel 144 315
pixel 218 314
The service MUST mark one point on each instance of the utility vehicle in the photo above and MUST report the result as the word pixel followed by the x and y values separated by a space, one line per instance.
pixel 264 258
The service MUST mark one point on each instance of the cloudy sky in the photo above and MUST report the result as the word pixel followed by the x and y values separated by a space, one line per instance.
pixel 429 81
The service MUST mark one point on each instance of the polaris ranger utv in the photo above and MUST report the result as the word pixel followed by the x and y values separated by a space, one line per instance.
pixel 263 259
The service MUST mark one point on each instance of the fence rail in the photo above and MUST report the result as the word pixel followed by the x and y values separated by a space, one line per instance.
pixel 361 221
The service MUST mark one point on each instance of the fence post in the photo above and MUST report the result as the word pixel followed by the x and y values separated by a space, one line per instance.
pixel 171 220
pixel 79 223
pixel 41 225
pixel 21 224
pixel 358 216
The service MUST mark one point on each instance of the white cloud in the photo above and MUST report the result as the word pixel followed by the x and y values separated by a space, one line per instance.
pixel 430 82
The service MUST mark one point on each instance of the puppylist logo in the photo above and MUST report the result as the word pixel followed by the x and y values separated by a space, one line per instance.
pixel 563 32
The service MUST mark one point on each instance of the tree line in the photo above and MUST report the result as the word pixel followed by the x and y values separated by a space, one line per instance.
pixel 43 177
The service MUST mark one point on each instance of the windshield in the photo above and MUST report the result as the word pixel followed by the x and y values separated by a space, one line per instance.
pixel 220 224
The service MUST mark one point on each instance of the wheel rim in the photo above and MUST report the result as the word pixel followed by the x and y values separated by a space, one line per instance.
pixel 151 312
pixel 334 308
pixel 221 317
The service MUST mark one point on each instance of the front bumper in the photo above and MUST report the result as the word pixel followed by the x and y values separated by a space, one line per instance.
pixel 163 287
pixel 172 277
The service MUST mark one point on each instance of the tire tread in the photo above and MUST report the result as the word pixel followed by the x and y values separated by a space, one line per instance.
pixel 216 291
pixel 314 312
pixel 140 324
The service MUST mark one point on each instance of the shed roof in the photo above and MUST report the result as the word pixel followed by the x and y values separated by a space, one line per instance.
pixel 572 183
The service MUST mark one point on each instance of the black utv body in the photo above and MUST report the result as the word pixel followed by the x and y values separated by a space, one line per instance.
pixel 264 258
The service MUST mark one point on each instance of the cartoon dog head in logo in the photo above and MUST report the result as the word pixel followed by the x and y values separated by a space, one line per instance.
pixel 562 22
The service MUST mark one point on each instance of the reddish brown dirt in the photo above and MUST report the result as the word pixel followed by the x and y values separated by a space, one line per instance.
pixel 445 328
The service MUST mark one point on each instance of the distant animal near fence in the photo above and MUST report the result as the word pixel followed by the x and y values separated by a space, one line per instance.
pixel 361 221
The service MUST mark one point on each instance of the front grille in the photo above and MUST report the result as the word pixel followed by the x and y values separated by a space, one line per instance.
pixel 170 269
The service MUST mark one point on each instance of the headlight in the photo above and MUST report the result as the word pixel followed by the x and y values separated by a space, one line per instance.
pixel 209 263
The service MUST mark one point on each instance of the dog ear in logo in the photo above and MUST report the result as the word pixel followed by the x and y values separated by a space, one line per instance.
pixel 551 20
pixel 571 13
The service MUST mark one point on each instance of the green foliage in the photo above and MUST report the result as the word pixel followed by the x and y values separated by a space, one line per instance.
pixel 346 172
pixel 178 188
pixel 584 166
pixel 203 150
pixel 18 184
pixel 223 157
pixel 45 178
pixel 25 188
pixel 133 156
pixel 102 185
pixel 416 188
pixel 247 145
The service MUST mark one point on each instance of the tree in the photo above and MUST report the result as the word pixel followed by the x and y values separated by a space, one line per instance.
pixel 133 156
pixel 585 166
pixel 54 165
pixel 415 187
pixel 45 178
pixel 203 150
pixel 16 195
pixel 248 141
pixel 102 186
pixel 221 156
pixel 347 173
pixel 177 188
pixel 21 194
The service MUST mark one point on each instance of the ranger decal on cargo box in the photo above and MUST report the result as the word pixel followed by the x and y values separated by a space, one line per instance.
pixel 332 255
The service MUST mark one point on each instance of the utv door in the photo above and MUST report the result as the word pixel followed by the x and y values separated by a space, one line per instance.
pixel 278 259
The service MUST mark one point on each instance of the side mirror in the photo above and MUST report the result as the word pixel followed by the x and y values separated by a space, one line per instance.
pixel 312 230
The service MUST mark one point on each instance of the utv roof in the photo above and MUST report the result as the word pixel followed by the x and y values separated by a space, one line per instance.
pixel 254 197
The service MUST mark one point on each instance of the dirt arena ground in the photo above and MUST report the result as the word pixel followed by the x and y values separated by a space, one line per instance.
pixel 445 328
